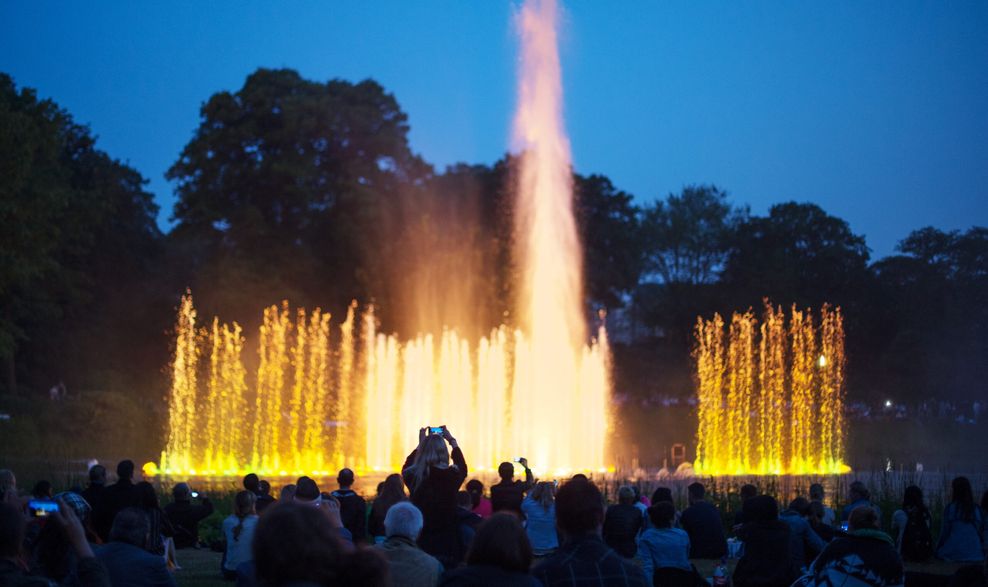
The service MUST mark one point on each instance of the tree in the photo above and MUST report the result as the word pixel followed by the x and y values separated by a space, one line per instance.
pixel 286 179
pixel 797 254
pixel 610 233
pixel 77 225
pixel 686 239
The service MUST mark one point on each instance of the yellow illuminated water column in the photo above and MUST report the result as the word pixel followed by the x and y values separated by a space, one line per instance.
pixel 271 375
pixel 802 413
pixel 831 369
pixel 772 383
pixel 344 450
pixel 709 357
pixel 233 421
pixel 177 455
pixel 740 381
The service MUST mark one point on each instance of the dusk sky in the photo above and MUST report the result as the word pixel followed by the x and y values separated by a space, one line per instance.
pixel 876 111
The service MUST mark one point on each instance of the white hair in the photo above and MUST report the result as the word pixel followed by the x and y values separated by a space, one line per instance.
pixel 403 519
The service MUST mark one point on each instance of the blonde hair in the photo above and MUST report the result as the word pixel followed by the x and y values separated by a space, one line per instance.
pixel 432 452
pixel 544 493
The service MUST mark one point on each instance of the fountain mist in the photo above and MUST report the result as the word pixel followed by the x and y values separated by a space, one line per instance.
pixel 536 389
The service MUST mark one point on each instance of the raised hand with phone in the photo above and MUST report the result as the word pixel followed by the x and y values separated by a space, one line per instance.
pixel 433 482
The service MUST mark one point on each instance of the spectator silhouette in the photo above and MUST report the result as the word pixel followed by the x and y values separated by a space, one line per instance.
pixel 481 505
pixel 859 496
pixel 963 528
pixel 508 493
pixel 299 544
pixel 238 530
pixel 408 564
pixel 539 508
pixel 125 558
pixel 114 498
pixel 434 483
pixel 499 555
pixel 816 495
pixel 865 557
pixel 804 543
pixel 583 558
pixel 159 526
pixel 353 508
pixel 662 546
pixel 701 520
pixel 767 561
pixel 97 482
pixel 264 498
pixel 392 491
pixel 622 523
pixel 185 515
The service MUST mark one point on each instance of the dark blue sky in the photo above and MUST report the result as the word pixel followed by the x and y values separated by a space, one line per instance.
pixel 877 111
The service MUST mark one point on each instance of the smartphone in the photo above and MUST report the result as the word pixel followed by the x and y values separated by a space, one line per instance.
pixel 435 430
pixel 42 508
pixel 517 459
pixel 195 494
pixel 843 526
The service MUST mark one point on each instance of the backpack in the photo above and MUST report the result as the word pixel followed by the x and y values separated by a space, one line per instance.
pixel 917 539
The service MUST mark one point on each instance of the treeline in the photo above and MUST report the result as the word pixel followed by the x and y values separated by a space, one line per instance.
pixel 309 191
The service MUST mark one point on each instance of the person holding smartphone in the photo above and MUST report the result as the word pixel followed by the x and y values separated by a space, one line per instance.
pixel 434 483
pixel 508 494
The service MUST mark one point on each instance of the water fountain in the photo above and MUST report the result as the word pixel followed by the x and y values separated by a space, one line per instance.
pixel 324 397
pixel 770 401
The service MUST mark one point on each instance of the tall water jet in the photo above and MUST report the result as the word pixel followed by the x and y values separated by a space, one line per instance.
pixel 777 410
pixel 538 388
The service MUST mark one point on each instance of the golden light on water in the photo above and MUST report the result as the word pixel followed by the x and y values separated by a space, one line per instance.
pixel 323 398
pixel 772 407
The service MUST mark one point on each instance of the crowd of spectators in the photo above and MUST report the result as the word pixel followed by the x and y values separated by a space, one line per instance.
pixel 420 529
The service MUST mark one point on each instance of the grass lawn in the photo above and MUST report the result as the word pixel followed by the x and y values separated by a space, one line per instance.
pixel 200 568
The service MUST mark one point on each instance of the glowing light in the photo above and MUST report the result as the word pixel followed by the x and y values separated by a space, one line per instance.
pixel 769 411
pixel 536 388
pixel 150 469
pixel 888 403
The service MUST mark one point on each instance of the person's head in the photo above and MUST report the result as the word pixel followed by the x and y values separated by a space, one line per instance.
pixel 912 498
pixel 244 504
pixel 501 542
pixel 125 470
pixel 403 519
pixel 287 492
pixel 432 452
pixel 961 492
pixel 97 475
pixel 626 495
pixel 251 482
pixel 130 526
pixel 857 491
pixel 506 471
pixel 294 545
pixel 464 500
pixel 147 497
pixel 476 490
pixel 816 492
pixel 264 488
pixel 696 491
pixel 748 491
pixel 579 507
pixel 761 508
pixel 11 531
pixel 392 490
pixel 800 505
pixel 345 478
pixel 306 489
pixel 544 493
pixel 41 490
pixel 181 492
pixel 661 494
pixel 662 514
pixel 862 517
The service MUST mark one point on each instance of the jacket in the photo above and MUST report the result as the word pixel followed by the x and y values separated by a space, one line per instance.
pixel 409 564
